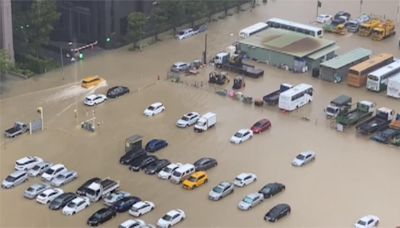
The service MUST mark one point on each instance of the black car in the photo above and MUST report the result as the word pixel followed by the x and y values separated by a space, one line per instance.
pixel 126 203
pixel 155 145
pixel 82 189
pixel 128 157
pixel 204 164
pixel 271 189
pixel 117 91
pixel 62 200
pixel 277 212
pixel 156 166
pixel 386 135
pixel 101 216
pixel 138 166
pixel 137 162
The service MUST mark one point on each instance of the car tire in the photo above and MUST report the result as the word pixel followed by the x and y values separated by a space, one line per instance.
pixel 73 212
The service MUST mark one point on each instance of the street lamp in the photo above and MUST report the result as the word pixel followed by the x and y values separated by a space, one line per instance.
pixel 40 111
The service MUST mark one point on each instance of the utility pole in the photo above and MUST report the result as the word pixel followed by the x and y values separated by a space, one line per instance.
pixel 205 50
pixel 361 2
pixel 6 31
pixel 62 60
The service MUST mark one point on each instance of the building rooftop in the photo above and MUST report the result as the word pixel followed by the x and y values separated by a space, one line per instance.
pixel 349 57
pixel 288 42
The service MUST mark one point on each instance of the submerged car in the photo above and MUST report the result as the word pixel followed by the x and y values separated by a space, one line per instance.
pixel 27 163
pixel 128 157
pixel 117 91
pixel 53 172
pixel 167 171
pixel 221 190
pixel 260 126
pixel 324 18
pixel 101 216
pixel 76 205
pixel 62 200
pixel 34 190
pixel 14 179
pixel 154 109
pixel 250 201
pixel 49 195
pixel 171 218
pixel 271 189
pixel 64 178
pixel 195 180
pixel 304 158
pixel 94 99
pixel 155 145
pixel 188 119
pixel 204 164
pixel 368 221
pixel 132 223
pixel 156 166
pixel 241 136
pixel 82 189
pixel 114 197
pixel 244 179
pixel 125 204
pixel 145 162
pixel 39 169
pixel 140 208
pixel 277 212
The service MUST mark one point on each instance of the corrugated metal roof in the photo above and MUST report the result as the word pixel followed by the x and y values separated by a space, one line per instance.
pixel 323 52
pixel 343 60
pixel 288 42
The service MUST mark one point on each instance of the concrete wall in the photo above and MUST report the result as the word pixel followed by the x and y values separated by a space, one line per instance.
pixel 6 37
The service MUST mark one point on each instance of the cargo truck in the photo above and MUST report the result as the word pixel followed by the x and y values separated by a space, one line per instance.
pixel 337 106
pixel 19 128
pixel 379 122
pixel 366 28
pixel 383 31
pixel 386 136
pixel 234 62
pixel 98 190
pixel 273 98
pixel 206 122
pixel 363 110
pixel 393 87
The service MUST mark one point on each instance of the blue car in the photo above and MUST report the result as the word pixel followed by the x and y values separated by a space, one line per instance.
pixel 126 203
pixel 155 144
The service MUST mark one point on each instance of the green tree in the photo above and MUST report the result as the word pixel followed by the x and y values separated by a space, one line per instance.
pixel 226 4
pixel 136 22
pixel 195 10
pixel 213 7
pixel 5 62
pixel 174 11
pixel 159 20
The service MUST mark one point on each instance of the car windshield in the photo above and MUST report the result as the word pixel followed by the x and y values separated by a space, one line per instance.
pixel 238 134
pixel 71 204
pixel 247 199
pixel 167 218
pixel 258 124
pixel 110 197
pixel 361 222
pixel 36 167
pixel 267 189
pixel 181 32
pixel 10 179
pixel 300 157
pixel 192 179
pixel 57 200
pixel 238 179
pixel 30 189
pixel 150 108
pixel 88 99
pixel 167 169
pixel 217 189
pixel 185 118
pixel 50 171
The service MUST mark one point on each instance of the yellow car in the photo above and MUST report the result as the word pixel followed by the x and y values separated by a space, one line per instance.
pixel 195 180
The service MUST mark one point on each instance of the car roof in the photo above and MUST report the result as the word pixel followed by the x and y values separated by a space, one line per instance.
pixel 243 131
pixel 253 195
pixel 198 173
pixel 78 199
pixel 179 63
pixel 50 190
pixel 243 175
pixel 17 173
pixel 263 121
pixel 56 166
pixel 224 184
pixel 307 152
pixel 156 104
pixel 140 203
pixel 368 217
pixel 37 185
pixel 130 222
pixel 173 212
pixel 92 96
pixel 191 114
pixel 26 159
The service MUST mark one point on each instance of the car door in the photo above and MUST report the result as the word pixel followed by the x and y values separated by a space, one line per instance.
pixel 80 206
pixel 308 158
pixel 246 180
pixel 246 136
pixel 202 179
pixel 175 219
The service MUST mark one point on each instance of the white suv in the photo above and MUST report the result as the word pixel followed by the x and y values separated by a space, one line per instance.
pixel 180 67
pixel 53 172
pixel 27 163
pixel 188 119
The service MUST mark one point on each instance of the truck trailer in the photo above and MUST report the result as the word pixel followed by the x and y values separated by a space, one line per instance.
pixel 393 87
pixel 234 62
pixel 337 106
pixel 273 98
pixel 379 122
pixel 363 110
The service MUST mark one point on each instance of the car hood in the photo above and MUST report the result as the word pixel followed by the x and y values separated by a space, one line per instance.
pixel 181 122
pixel 297 161
pixel 235 139
pixel 148 112
pixel 243 205
pixel 162 223
pixel 213 194
pixel 68 210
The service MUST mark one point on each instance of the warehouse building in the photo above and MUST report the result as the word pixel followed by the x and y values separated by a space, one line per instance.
pixel 335 70
pixel 288 50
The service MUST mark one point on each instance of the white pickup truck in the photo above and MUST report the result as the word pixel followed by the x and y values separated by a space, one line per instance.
pixel 186 33
pixel 98 190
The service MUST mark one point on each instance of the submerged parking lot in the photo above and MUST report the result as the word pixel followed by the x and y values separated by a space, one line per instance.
pixel 351 176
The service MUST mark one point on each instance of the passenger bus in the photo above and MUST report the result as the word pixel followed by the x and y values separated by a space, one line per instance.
pixel 377 80
pixel 357 75
pixel 91 81
pixel 296 97
pixel 253 29
pixel 295 27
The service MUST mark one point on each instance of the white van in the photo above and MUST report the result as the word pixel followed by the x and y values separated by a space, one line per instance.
pixel 182 173
pixel 14 179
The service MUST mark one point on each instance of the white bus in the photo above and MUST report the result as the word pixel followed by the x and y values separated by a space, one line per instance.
pixel 393 88
pixel 252 29
pixel 296 97
pixel 377 80
pixel 295 27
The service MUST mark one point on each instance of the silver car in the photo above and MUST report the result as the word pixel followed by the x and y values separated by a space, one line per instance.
pixel 64 178
pixel 250 201
pixel 220 191
pixel 35 190
pixel 114 197
pixel 304 158
pixel 14 179
pixel 40 168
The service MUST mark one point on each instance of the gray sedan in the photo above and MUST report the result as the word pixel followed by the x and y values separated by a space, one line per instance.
pixel 220 191
pixel 35 190
pixel 64 178
pixel 250 201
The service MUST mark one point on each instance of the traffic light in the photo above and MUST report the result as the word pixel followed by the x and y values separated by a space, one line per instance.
pixel 40 110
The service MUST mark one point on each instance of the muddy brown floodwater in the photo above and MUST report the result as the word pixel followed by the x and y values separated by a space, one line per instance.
pixel 351 177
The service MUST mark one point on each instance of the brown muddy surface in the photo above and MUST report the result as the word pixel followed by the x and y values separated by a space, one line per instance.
pixel 351 177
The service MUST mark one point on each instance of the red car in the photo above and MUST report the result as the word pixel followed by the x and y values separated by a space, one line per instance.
pixel 261 126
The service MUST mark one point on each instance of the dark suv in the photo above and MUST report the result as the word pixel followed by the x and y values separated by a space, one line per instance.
pixel 101 216
pixel 62 200
pixel 204 164
pixel 128 157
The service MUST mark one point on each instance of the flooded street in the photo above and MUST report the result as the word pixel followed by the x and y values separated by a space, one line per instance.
pixel 352 176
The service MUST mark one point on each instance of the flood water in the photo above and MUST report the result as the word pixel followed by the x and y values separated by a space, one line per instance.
pixel 351 176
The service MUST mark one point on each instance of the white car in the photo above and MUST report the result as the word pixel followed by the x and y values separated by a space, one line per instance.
pixel 133 223
pixel 324 18
pixel 48 195
pixel 64 178
pixel 369 221
pixel 241 136
pixel 244 179
pixel 34 190
pixel 180 67
pixel 154 109
pixel 76 205
pixel 250 201
pixel 140 208
pixel 171 218
pixel 303 158
pixel 114 197
pixel 27 163
pixel 39 169
pixel 185 33
pixel 53 172
pixel 94 99
pixel 166 172
pixel 188 119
